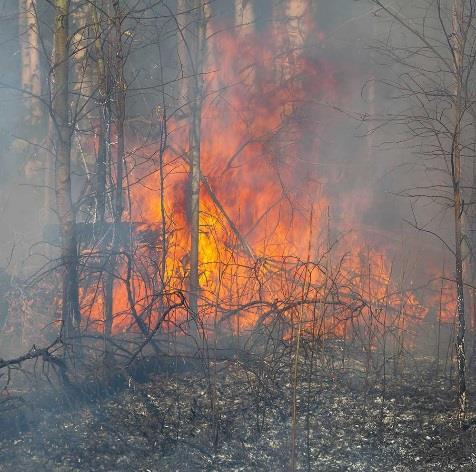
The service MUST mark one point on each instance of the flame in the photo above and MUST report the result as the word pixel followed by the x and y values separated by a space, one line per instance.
pixel 259 140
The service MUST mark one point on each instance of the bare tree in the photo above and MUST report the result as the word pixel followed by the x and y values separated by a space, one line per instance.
pixel 62 148
pixel 195 40
pixel 435 74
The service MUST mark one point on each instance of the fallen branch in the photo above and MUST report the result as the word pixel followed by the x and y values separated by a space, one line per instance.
pixel 43 353
pixel 35 353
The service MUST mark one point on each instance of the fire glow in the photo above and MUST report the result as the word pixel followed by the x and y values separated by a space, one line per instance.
pixel 257 163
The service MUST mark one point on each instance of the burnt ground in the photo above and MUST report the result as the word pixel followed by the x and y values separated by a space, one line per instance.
pixel 164 422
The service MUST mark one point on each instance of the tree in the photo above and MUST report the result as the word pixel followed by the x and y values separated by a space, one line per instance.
pixel 244 15
pixel 191 24
pixel 62 151
pixel 30 59
pixel 104 99
pixel 436 73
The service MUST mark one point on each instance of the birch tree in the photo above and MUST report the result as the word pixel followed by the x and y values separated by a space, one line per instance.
pixel 191 36
pixel 196 57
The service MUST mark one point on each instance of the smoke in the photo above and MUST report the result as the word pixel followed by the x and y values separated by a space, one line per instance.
pixel 300 164
pixel 329 153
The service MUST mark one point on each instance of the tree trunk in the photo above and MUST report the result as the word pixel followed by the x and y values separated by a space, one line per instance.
pixel 30 60
pixel 104 100
pixel 196 55
pixel 291 28
pixel 472 258
pixel 457 40
pixel 60 117
pixel 298 15
pixel 81 82
pixel 183 55
pixel 118 205
pixel 244 22
pixel 244 16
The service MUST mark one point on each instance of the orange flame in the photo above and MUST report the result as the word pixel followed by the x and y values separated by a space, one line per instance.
pixel 259 141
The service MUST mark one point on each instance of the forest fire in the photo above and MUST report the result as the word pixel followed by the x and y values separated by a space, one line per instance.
pixel 237 235
pixel 264 217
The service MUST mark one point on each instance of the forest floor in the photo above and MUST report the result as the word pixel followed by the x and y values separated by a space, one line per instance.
pixel 166 423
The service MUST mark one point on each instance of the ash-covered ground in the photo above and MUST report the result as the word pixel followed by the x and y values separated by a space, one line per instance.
pixel 237 416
